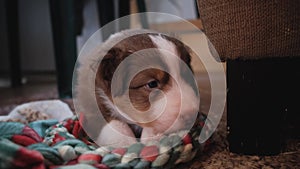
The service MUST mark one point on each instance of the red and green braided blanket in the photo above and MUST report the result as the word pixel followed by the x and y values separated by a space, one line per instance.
pixel 52 144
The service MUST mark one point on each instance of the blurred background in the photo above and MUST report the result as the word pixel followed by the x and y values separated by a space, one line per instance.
pixel 40 39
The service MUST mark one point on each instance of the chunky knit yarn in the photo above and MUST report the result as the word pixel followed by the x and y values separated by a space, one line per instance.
pixel 52 144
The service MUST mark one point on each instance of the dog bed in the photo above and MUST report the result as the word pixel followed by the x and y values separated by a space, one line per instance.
pixel 37 143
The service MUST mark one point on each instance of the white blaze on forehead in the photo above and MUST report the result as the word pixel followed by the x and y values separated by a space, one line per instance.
pixel 188 102
pixel 163 43
pixel 166 45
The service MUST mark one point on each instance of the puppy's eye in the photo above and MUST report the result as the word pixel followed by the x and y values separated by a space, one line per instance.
pixel 152 84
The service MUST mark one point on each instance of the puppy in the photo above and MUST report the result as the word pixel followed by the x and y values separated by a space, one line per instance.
pixel 141 87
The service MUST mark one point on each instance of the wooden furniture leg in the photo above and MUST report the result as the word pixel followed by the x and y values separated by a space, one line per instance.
pixel 64 37
pixel 12 21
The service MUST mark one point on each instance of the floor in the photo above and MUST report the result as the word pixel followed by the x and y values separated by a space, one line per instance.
pixel 38 86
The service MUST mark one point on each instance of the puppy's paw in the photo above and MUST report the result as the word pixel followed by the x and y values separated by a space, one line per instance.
pixel 116 134
pixel 149 135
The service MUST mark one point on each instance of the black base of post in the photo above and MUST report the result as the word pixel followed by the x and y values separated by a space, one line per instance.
pixel 262 102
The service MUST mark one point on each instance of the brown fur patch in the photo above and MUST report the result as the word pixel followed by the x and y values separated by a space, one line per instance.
pixel 111 61
pixel 139 93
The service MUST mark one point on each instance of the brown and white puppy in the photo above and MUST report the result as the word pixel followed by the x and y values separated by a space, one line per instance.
pixel 159 99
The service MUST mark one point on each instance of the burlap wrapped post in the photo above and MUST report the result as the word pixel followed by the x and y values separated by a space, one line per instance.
pixel 252 29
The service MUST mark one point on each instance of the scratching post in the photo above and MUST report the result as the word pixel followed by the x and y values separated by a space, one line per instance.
pixel 259 40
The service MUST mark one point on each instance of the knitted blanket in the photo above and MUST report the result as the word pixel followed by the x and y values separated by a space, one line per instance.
pixel 52 144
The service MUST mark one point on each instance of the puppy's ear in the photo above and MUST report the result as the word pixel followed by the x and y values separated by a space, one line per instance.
pixel 109 63
pixel 185 54
pixel 107 68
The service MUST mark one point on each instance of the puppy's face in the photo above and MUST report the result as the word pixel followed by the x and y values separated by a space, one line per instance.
pixel 147 79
